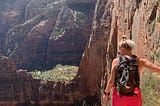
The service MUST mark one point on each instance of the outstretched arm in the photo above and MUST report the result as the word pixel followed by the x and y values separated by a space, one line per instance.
pixel 147 64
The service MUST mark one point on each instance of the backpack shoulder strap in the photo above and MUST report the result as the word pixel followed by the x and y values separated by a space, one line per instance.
pixel 122 60
pixel 133 57
pixel 133 60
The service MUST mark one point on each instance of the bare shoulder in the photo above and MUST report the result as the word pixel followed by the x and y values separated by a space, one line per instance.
pixel 148 64
pixel 142 61
pixel 115 62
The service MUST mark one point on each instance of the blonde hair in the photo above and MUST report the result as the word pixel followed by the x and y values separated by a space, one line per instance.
pixel 127 44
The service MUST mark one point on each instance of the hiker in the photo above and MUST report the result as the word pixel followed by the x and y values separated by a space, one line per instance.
pixel 122 95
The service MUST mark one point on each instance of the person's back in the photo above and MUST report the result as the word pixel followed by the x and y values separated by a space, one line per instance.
pixel 127 78
pixel 122 96
pixel 125 49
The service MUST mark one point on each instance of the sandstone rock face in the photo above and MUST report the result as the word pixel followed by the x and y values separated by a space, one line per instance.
pixel 100 51
pixel 24 43
pixel 11 14
pixel 51 34
pixel 67 47
pixel 18 88
pixel 36 7
pixel 12 82
pixel 139 21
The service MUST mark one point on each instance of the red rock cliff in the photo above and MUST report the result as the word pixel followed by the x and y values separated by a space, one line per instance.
pixel 138 19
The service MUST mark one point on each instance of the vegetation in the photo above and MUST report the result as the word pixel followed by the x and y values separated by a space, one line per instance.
pixel 153 27
pixel 158 54
pixel 150 87
pixel 80 15
pixel 58 73
pixel 57 31
pixel 158 18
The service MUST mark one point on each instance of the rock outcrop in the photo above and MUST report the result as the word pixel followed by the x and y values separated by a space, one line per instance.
pixel 18 88
pixel 50 34
pixel 11 14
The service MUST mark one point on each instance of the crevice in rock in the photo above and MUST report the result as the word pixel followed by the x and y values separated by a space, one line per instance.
pixel 153 13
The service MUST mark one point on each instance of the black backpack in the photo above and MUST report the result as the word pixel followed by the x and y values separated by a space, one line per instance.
pixel 127 77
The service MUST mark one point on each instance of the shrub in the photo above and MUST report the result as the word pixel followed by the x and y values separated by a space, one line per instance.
pixel 158 18
pixel 57 31
pixel 150 87
pixel 58 73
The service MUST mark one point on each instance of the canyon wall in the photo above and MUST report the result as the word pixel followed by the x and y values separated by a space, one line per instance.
pixel 18 88
pixel 138 19
pixel 46 33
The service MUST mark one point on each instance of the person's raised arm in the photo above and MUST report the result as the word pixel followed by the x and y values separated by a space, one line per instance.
pixel 149 65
